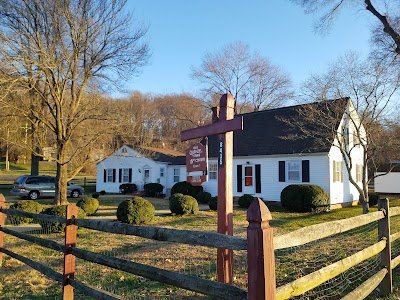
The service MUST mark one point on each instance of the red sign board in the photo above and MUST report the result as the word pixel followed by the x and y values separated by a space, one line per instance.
pixel 196 158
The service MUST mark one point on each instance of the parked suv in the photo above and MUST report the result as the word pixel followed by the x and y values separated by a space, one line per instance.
pixel 32 187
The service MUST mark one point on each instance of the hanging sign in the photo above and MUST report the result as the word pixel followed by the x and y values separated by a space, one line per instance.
pixel 196 158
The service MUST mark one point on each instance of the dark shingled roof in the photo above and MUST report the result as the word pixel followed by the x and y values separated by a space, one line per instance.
pixel 264 132
pixel 164 155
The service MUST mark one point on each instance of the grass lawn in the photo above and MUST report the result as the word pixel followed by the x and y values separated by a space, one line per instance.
pixel 18 281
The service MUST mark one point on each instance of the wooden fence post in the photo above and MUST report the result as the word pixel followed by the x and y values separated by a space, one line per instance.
pixel 260 253
pixel 2 223
pixel 69 259
pixel 386 285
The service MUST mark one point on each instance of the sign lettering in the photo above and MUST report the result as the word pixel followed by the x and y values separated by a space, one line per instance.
pixel 221 153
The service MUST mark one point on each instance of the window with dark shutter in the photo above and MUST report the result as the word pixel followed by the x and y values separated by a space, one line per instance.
pixel 114 174
pixel 120 175
pixel 305 170
pixel 105 175
pixel 258 178
pixel 130 175
pixel 281 171
pixel 239 178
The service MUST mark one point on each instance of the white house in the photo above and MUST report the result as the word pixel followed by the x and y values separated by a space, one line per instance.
pixel 388 182
pixel 140 166
pixel 264 161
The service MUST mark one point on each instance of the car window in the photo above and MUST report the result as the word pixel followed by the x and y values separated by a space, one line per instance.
pixel 32 180
pixel 20 179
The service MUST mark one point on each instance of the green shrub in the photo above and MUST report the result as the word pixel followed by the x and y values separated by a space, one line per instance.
pixel 195 191
pixel 182 187
pixel 96 195
pixel 89 205
pixel 186 188
pixel 213 203
pixel 305 198
pixel 153 189
pixel 373 198
pixel 127 188
pixel 245 200
pixel 102 192
pixel 25 205
pixel 60 211
pixel 183 204
pixel 204 197
pixel 135 211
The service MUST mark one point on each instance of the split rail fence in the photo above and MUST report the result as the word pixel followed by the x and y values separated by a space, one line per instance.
pixel 259 244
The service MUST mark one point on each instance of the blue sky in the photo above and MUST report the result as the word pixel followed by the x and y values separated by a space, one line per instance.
pixel 182 32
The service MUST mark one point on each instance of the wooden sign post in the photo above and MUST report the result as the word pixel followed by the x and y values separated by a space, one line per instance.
pixel 224 128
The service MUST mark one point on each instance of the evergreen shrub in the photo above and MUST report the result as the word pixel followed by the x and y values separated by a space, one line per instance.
pixel 89 205
pixel 96 195
pixel 135 211
pixel 183 204
pixel 24 205
pixel 245 200
pixel 60 211
pixel 373 198
pixel 204 197
pixel 153 189
pixel 213 204
pixel 127 188
pixel 305 198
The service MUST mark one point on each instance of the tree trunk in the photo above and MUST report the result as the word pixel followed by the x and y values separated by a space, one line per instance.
pixel 365 203
pixel 61 179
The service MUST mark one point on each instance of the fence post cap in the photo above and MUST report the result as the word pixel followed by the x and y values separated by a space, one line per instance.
pixel 258 211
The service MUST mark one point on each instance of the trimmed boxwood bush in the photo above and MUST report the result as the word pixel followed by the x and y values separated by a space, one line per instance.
pixel 127 188
pixel 305 198
pixel 245 200
pixel 183 204
pixel 25 205
pixel 182 187
pixel 58 210
pixel 186 188
pixel 89 205
pixel 153 189
pixel 373 198
pixel 213 203
pixel 204 197
pixel 135 211
pixel 102 192
pixel 96 195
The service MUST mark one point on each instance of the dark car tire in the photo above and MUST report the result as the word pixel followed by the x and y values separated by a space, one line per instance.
pixel 75 194
pixel 33 195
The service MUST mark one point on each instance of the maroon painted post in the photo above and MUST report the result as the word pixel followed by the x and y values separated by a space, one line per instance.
pixel 260 253
pixel 225 194
pixel 386 285
pixel 224 127
pixel 69 259
pixel 2 223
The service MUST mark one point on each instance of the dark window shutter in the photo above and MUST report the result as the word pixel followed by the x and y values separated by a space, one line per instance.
pixel 120 175
pixel 239 178
pixel 258 178
pixel 114 173
pixel 281 171
pixel 130 175
pixel 105 175
pixel 305 170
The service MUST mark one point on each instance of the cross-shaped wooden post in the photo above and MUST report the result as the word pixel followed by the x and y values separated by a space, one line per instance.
pixel 224 128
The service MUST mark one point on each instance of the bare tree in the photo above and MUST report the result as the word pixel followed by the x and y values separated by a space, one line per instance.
pixel 61 51
pixel 372 91
pixel 386 34
pixel 247 76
